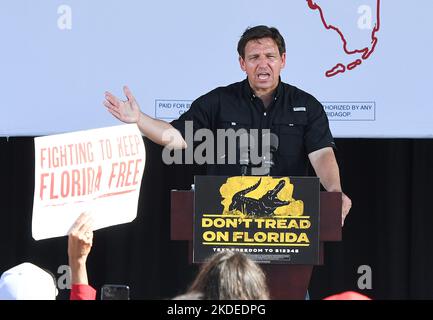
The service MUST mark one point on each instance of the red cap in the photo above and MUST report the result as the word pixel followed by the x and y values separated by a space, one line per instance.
pixel 347 295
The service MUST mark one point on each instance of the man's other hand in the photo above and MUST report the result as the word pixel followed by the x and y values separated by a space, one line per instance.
pixel 127 111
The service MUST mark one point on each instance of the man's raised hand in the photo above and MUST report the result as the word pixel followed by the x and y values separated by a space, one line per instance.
pixel 127 111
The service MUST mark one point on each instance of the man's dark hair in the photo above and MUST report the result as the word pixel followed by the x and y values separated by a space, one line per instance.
pixel 260 32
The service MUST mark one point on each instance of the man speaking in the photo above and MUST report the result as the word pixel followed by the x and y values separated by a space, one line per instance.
pixel 260 102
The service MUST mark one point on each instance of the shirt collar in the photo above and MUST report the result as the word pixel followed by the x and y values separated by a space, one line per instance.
pixel 249 92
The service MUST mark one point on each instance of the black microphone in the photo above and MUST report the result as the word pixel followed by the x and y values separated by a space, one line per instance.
pixel 270 142
pixel 244 153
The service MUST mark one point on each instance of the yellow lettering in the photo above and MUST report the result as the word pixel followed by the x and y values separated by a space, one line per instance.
pixel 260 237
pixel 270 224
pixel 222 236
pixel 273 237
pixel 209 236
pixel 231 223
pixel 260 223
pixel 303 238
pixel 305 224
pixel 281 223
pixel 293 224
pixel 237 235
pixel 206 222
pixel 247 222
pixel 291 237
pixel 219 223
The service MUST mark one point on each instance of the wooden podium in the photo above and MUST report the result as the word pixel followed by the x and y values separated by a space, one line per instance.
pixel 286 281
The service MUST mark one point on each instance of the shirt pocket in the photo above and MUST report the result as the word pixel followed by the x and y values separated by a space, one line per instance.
pixel 290 130
pixel 232 133
pixel 233 122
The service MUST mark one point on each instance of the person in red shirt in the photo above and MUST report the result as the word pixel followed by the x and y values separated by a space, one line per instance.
pixel 347 295
pixel 79 245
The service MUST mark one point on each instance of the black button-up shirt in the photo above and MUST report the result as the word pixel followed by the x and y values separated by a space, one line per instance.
pixel 295 116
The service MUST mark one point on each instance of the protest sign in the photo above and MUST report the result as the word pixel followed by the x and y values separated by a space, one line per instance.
pixel 98 171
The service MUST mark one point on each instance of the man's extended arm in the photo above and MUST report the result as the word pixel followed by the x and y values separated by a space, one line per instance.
pixel 158 131
pixel 326 167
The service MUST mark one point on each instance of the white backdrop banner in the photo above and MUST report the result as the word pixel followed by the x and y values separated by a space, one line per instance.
pixel 368 61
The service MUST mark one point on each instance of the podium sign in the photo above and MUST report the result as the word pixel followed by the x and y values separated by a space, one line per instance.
pixel 271 219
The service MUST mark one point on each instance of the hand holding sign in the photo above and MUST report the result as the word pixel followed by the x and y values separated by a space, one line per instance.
pixel 80 242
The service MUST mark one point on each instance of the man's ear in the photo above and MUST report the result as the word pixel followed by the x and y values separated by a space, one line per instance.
pixel 283 60
pixel 242 64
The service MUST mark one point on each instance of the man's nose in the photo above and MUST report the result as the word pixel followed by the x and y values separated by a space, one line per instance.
pixel 263 61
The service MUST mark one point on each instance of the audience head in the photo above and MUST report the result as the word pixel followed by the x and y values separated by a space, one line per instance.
pixel 229 275
pixel 27 282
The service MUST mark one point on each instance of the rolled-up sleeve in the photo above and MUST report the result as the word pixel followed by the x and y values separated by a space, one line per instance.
pixel 200 114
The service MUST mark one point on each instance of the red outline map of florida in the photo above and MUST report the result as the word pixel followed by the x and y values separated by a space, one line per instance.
pixel 367 20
